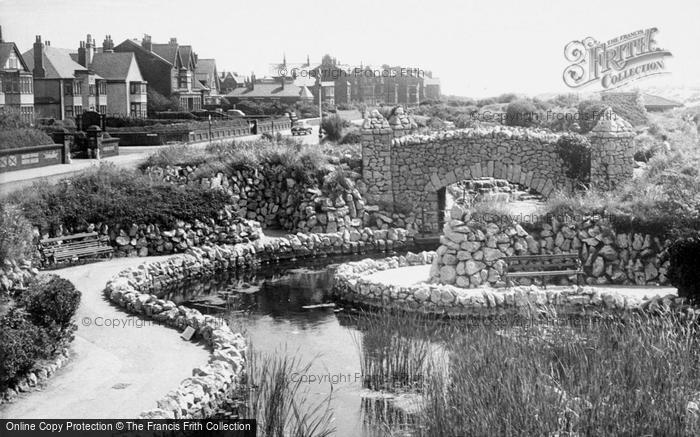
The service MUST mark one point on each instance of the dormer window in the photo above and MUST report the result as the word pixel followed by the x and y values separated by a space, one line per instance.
pixel 12 62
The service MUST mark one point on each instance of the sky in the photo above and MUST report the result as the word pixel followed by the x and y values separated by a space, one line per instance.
pixel 476 48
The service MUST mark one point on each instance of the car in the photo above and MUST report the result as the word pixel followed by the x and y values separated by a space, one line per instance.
pixel 301 128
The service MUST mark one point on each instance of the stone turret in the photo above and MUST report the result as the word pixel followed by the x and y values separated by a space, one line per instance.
pixel 612 151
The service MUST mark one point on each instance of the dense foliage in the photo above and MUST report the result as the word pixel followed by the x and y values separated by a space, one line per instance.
pixel 684 273
pixel 38 327
pixel 333 127
pixel 14 133
pixel 521 113
pixel 116 197
pixel 15 234
pixel 575 152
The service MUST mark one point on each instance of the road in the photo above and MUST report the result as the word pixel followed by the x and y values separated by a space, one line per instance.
pixel 129 157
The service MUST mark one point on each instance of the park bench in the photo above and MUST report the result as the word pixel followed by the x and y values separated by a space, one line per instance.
pixel 542 266
pixel 74 247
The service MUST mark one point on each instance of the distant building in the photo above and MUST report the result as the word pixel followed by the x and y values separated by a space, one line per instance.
pixel 431 88
pixel 126 88
pixel 63 88
pixel 169 69
pixel 208 77
pixel 229 81
pixel 270 91
pixel 658 103
pixel 650 102
pixel 16 82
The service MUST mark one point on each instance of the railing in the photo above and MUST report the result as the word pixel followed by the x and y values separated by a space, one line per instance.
pixel 31 157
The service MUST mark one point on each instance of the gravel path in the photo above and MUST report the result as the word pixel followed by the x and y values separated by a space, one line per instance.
pixel 114 372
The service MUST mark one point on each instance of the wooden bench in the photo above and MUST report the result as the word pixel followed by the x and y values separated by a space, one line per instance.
pixel 542 266
pixel 74 247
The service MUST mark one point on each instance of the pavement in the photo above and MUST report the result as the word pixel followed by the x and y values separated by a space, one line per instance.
pixel 129 157
pixel 413 275
pixel 114 372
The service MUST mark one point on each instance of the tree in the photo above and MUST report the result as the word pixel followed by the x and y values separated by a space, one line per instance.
pixel 521 113
pixel 159 103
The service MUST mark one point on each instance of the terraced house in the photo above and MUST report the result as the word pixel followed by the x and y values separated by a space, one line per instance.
pixel 16 83
pixel 63 88
pixel 126 88
pixel 169 69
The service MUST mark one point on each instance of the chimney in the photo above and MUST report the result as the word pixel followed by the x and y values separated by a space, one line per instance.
pixel 39 70
pixel 108 44
pixel 146 43
pixel 82 57
pixel 48 43
pixel 1 40
pixel 252 81
pixel 89 51
pixel 173 41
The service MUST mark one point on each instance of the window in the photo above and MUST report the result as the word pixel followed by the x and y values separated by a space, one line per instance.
pixel 137 88
pixel 77 88
pixel 135 110
pixel 68 88
pixel 103 109
pixel 69 111
pixel 11 83
pixel 93 89
pixel 78 109
pixel 12 62
pixel 26 85
pixel 102 87
pixel 27 114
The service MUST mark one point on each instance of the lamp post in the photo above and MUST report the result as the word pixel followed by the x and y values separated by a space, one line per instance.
pixel 320 110
pixel 210 129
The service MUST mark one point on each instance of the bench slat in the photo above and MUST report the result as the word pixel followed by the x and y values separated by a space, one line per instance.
pixel 543 273
pixel 69 237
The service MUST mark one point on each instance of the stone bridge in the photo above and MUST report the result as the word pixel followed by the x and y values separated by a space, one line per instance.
pixel 402 168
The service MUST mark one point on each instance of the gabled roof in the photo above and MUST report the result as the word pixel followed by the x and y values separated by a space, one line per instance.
pixel 271 90
pixel 206 66
pixel 135 44
pixel 653 100
pixel 7 48
pixel 114 65
pixel 57 63
pixel 166 51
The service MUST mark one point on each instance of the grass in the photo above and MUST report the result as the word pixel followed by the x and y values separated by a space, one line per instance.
pixel 605 375
pixel 280 402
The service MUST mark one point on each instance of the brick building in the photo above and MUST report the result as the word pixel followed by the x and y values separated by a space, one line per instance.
pixel 16 82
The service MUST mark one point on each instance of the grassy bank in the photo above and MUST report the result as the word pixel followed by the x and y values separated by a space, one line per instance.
pixel 596 376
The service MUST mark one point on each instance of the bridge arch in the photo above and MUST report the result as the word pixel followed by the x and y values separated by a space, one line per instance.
pixel 407 169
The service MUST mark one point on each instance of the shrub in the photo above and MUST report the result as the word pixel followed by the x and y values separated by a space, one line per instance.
pixel 158 102
pixel 575 151
pixel 51 302
pixel 589 114
pixel 352 137
pixel 22 343
pixel 333 127
pixel 684 273
pixel 23 137
pixel 116 197
pixel 521 113
pixel 15 234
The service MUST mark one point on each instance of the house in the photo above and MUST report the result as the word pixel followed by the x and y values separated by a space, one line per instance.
pixel 126 88
pixel 270 91
pixel 431 88
pixel 229 81
pixel 63 88
pixel 16 82
pixel 658 103
pixel 206 74
pixel 169 69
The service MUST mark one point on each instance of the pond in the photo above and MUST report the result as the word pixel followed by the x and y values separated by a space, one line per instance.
pixel 466 377
pixel 270 306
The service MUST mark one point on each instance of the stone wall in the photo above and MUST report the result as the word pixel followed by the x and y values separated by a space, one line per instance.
pixel 408 169
pixel 473 247
pixel 275 198
pixel 138 290
pixel 352 284
pixel 15 275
